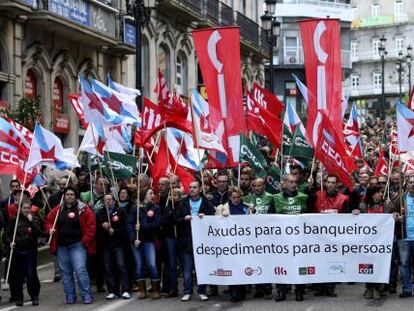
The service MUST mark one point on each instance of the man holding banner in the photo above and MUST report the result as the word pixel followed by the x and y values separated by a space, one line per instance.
pixel 291 202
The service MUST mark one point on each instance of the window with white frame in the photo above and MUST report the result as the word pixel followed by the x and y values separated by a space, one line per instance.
pixel 375 9
pixel 354 12
pixel 399 44
pixel 181 74
pixel 375 46
pixel 377 80
pixel 354 49
pixel 354 82
pixel 398 10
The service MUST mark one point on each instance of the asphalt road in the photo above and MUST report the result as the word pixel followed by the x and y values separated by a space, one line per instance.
pixel 349 298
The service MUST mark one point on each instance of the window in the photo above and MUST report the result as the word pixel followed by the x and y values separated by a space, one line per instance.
pixel 254 12
pixel 291 50
pixel 375 46
pixel 354 49
pixel 399 44
pixel 398 10
pixel 354 12
pixel 164 63
pixel 377 80
pixel 375 9
pixel 354 82
pixel 181 74
pixel 242 6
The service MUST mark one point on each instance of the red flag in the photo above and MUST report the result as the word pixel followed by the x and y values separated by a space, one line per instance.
pixel 161 87
pixel 218 51
pixel 13 156
pixel 411 100
pixel 264 121
pixel 77 106
pixel 331 152
pixel 322 54
pixel 267 100
pixel 382 165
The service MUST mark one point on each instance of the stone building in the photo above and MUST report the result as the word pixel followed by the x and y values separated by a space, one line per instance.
pixel 46 44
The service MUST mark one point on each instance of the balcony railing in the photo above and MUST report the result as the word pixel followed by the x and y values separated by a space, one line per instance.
pixel 330 4
pixel 371 89
pixel 294 56
pixel 369 55
pixel 226 15
pixel 249 30
pixel 212 11
pixel 196 6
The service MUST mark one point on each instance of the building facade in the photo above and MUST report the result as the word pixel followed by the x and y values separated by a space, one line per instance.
pixel 374 19
pixel 46 44
pixel 289 56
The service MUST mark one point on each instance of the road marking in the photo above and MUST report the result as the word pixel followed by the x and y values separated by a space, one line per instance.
pixel 115 305
pixel 15 307
pixel 45 265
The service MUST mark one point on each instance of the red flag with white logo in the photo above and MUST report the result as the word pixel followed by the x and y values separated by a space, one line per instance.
pixel 218 51
pixel 161 87
pixel 77 106
pixel 331 151
pixel 322 54
pixel 382 165
pixel 267 100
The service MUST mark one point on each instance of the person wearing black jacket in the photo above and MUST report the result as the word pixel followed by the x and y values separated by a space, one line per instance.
pixel 193 205
pixel 111 237
pixel 143 246
pixel 24 261
pixel 170 231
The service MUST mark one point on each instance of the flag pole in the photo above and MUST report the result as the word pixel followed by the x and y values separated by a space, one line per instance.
pixel 400 190
pixel 112 176
pixel 387 186
pixel 15 228
pixel 138 192
pixel 157 140
pixel 169 165
pixel 100 170
pixel 61 199
pixel 197 145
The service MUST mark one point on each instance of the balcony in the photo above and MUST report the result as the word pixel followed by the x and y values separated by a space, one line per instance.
pixel 373 90
pixel 249 30
pixel 226 15
pixel 16 6
pixel 294 56
pixel 91 22
pixel 315 9
pixel 370 55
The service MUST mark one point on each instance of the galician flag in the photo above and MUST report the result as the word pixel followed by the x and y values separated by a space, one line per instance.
pixel 405 127
pixel 47 149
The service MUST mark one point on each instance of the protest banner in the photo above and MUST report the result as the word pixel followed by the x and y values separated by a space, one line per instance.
pixel 293 249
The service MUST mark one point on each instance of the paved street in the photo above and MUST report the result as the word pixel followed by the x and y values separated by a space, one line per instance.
pixel 349 298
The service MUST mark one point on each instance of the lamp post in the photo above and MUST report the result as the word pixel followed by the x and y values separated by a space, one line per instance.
pixel 141 11
pixel 272 28
pixel 399 66
pixel 408 59
pixel 383 54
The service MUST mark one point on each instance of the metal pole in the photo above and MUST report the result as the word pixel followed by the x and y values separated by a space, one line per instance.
pixel 382 84
pixel 271 43
pixel 400 82
pixel 409 78
pixel 138 12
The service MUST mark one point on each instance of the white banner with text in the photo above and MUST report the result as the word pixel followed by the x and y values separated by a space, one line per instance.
pixel 293 249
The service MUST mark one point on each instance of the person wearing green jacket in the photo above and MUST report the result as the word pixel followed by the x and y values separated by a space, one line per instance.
pixel 290 202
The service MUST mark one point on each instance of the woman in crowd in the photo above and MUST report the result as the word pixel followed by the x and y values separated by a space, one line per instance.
pixel 374 204
pixel 125 199
pixel 143 244
pixel 111 235
pixel 235 206
pixel 24 261
pixel 73 237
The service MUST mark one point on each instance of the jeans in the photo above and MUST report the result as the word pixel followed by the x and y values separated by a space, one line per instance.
pixel 171 245
pixel 72 258
pixel 145 250
pixel 24 266
pixel 115 254
pixel 187 262
pixel 406 249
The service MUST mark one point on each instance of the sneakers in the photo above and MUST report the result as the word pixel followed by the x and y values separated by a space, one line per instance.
pixel 405 295
pixel 87 300
pixel 280 297
pixel 126 295
pixel 376 294
pixel 111 296
pixel 70 300
pixel 203 297
pixel 56 279
pixel 35 301
pixel 19 303
pixel 186 297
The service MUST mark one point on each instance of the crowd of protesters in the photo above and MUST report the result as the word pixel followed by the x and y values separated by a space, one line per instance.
pixel 101 234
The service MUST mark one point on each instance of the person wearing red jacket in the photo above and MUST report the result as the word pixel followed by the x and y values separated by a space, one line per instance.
pixel 73 237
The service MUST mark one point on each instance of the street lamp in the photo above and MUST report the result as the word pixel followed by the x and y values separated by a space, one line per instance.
pixel 383 54
pixel 141 11
pixel 399 66
pixel 408 59
pixel 272 28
